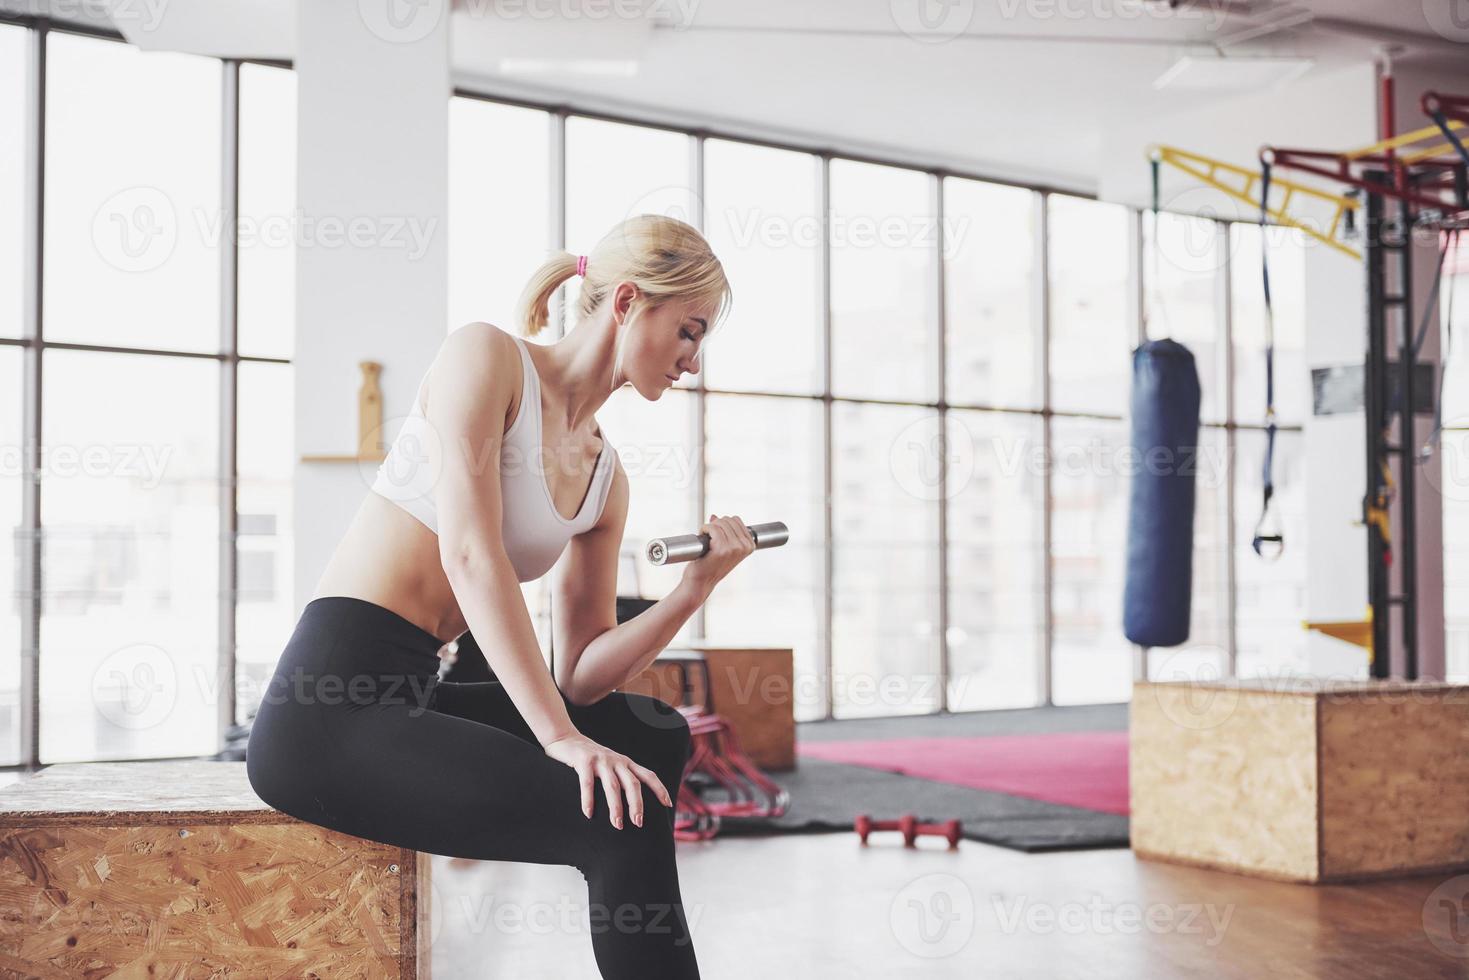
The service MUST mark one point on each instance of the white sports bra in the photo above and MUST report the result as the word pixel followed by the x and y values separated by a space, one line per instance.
pixel 534 532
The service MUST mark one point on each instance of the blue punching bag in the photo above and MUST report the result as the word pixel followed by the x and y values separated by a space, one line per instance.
pixel 1160 514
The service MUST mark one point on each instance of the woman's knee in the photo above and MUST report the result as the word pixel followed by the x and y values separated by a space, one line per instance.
pixel 646 728
pixel 662 718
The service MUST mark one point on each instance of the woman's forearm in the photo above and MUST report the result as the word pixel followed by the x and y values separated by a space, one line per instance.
pixel 619 654
pixel 489 596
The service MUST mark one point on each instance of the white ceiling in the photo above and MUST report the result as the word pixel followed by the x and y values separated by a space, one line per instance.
pixel 1017 88
pixel 1023 89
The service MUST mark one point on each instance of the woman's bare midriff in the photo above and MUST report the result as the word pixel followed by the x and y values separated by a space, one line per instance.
pixel 389 558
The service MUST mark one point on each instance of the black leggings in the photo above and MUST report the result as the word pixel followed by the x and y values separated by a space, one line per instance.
pixel 357 733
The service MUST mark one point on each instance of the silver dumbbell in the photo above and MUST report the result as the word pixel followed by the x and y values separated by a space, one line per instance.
pixel 687 547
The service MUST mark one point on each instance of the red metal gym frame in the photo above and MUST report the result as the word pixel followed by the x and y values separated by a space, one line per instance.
pixel 1419 180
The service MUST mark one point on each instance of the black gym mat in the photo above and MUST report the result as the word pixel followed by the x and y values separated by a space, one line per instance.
pixel 827 796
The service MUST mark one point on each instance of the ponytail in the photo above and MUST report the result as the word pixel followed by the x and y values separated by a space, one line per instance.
pixel 532 310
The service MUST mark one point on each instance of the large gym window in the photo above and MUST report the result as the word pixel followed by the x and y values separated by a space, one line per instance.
pixel 614 170
pixel 885 561
pixel 499 224
pixel 1090 658
pixel 1184 276
pixel 883 239
pixel 763 219
pixel 131 247
pixel 267 245
pixel 996 561
pixel 130 556
pixel 265 463
pixel 1091 329
pixel 992 315
pixel 152 564
pixel 758 460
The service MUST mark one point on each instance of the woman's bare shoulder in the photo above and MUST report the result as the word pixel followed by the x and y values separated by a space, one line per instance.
pixel 475 351
pixel 477 334
pixel 478 356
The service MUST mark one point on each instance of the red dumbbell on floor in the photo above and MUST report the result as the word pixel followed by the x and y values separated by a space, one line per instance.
pixel 911 829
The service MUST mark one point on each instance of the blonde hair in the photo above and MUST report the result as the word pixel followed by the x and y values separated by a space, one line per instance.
pixel 664 257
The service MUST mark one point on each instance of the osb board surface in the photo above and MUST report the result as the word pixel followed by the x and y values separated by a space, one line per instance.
pixel 257 901
pixel 1320 686
pixel 106 792
pixel 1226 779
pixel 1394 786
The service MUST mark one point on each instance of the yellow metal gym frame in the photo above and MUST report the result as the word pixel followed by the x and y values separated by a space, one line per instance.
pixel 1245 188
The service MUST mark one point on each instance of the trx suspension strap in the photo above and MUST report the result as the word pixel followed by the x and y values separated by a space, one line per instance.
pixel 1155 286
pixel 1268 542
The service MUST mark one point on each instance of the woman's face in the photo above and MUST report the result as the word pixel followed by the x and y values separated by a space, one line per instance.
pixel 666 343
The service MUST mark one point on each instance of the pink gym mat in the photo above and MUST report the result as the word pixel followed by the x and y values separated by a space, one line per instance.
pixel 1080 769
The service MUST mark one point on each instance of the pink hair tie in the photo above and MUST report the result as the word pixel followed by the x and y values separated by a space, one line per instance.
pixel 581 265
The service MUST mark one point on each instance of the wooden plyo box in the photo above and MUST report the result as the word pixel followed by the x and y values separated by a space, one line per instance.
pixel 177 868
pixel 753 690
pixel 1302 780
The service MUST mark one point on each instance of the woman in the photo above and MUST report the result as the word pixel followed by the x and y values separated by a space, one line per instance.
pixel 356 731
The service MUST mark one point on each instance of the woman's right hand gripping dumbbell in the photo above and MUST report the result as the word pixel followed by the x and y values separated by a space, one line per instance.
pixel 617 772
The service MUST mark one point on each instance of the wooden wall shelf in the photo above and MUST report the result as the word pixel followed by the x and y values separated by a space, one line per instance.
pixel 369 422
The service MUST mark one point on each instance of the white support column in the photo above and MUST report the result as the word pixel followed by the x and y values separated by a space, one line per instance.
pixel 371 262
pixel 1336 466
